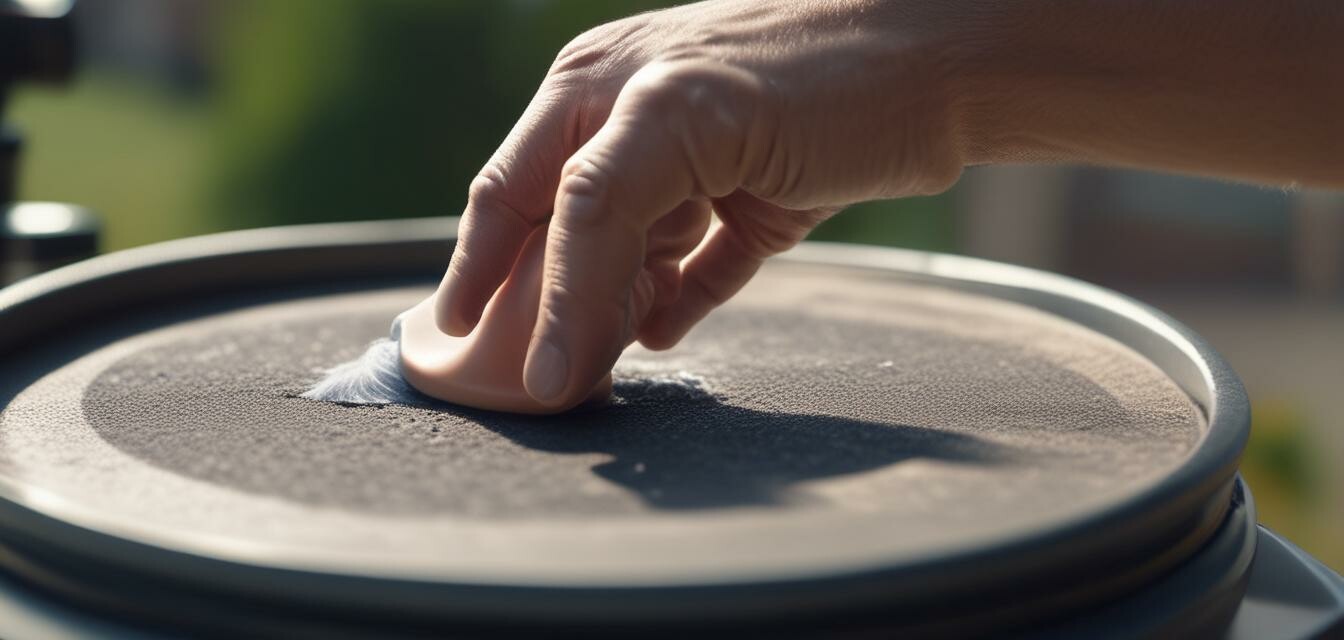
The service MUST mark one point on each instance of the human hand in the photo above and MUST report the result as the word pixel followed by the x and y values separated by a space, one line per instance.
pixel 772 114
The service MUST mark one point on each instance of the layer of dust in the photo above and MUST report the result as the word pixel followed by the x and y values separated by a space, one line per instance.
pixel 821 405
pixel 375 378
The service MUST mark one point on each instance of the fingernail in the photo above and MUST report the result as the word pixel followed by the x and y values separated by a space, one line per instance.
pixel 546 371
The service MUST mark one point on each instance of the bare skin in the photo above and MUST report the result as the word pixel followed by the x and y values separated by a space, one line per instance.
pixel 775 114
pixel 485 370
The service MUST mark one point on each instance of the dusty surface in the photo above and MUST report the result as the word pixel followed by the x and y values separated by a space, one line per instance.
pixel 839 417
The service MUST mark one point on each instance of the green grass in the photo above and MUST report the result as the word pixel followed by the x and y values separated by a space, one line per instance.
pixel 1291 490
pixel 916 223
pixel 133 153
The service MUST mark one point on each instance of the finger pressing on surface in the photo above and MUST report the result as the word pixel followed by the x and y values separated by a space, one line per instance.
pixel 656 151
pixel 711 276
pixel 511 195
pixel 670 239
pixel 728 258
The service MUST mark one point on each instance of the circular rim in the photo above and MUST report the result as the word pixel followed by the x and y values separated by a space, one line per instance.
pixel 1174 515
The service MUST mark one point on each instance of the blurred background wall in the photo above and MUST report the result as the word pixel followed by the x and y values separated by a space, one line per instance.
pixel 193 116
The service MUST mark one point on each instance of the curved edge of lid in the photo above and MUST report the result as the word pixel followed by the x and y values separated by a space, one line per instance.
pixel 1188 499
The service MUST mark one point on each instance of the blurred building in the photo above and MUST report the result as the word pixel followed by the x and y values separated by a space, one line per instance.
pixel 1259 272
pixel 1133 229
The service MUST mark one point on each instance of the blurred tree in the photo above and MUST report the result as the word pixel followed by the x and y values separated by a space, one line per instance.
pixel 1284 475
pixel 921 223
pixel 123 146
pixel 346 109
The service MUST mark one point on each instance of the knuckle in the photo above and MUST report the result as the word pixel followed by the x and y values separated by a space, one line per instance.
pixel 712 109
pixel 708 108
pixel 585 181
pixel 565 295
pixel 487 186
pixel 726 94
pixel 566 300
pixel 488 194
pixel 584 167
pixel 714 294
pixel 596 45
pixel 580 53
pixel 763 241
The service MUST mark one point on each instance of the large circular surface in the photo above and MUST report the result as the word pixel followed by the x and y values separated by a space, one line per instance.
pixel 827 419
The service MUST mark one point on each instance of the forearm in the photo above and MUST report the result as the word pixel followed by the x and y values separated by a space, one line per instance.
pixel 1240 88
pixel 777 114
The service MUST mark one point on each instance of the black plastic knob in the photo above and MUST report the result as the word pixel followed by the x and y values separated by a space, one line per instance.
pixel 37 41
pixel 10 145
pixel 40 236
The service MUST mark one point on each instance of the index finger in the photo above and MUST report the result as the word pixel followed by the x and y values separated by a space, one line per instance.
pixel 510 196
pixel 676 132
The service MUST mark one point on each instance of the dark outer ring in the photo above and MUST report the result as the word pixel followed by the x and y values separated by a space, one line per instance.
pixel 1128 544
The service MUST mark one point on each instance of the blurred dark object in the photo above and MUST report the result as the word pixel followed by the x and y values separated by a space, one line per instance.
pixel 37 44
pixel 10 146
pixel 37 41
pixel 40 236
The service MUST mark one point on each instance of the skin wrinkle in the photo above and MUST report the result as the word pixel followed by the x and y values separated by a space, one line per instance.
pixel 785 112
pixel 687 105
pixel 759 242
pixel 553 100
pixel 488 189
pixel 701 148
pixel 593 192
pixel 759 144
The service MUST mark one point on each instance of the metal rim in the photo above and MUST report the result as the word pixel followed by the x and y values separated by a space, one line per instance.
pixel 1185 506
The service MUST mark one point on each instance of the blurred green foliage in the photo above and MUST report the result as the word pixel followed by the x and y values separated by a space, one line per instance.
pixel 349 110
pixel 346 109
pixel 328 110
pixel 1280 450
pixel 920 223
pixel 389 109
pixel 127 148
pixel 1290 491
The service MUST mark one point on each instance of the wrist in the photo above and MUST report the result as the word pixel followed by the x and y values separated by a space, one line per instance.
pixel 985 64
pixel 995 62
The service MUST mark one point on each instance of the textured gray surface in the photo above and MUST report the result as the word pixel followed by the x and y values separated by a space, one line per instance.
pixel 669 444
pixel 822 407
